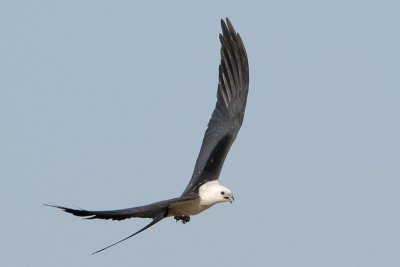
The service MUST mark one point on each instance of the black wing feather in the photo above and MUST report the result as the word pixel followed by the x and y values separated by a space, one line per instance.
pixel 157 211
pixel 228 114
pixel 146 211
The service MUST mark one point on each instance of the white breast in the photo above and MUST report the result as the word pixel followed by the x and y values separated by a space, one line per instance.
pixel 191 207
pixel 208 196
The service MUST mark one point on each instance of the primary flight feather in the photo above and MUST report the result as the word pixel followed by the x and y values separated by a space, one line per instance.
pixel 203 190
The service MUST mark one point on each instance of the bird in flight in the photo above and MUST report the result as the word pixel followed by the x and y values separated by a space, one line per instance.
pixel 203 190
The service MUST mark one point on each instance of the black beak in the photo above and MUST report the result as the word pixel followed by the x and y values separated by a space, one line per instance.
pixel 230 198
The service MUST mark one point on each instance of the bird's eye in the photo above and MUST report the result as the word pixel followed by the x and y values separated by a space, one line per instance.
pixel 222 193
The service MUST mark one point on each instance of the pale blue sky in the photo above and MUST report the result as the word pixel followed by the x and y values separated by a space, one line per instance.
pixel 103 105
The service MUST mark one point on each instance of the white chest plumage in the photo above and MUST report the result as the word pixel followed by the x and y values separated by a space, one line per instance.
pixel 209 195
pixel 191 207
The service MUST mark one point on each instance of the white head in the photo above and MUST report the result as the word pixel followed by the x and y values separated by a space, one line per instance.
pixel 212 193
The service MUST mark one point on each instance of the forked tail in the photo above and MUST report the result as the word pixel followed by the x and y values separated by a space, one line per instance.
pixel 153 222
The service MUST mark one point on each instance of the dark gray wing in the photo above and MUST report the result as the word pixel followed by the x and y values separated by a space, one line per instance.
pixel 146 211
pixel 227 117
pixel 157 211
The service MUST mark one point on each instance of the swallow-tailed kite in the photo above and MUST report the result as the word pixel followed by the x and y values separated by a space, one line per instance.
pixel 203 190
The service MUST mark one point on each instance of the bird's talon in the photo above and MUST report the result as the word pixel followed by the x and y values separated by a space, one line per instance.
pixel 184 218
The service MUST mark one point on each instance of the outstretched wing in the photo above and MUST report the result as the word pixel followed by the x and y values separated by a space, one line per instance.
pixel 146 211
pixel 227 117
pixel 157 211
